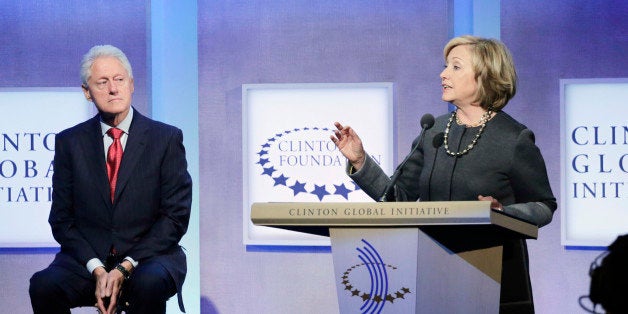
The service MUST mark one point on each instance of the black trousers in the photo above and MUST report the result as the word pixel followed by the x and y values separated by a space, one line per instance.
pixel 57 290
pixel 516 287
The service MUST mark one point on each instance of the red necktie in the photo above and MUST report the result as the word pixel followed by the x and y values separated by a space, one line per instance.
pixel 114 157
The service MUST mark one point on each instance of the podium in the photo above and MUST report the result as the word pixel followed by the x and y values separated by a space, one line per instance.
pixel 408 257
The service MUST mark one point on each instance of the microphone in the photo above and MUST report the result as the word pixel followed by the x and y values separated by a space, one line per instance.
pixel 427 121
pixel 437 142
pixel 439 139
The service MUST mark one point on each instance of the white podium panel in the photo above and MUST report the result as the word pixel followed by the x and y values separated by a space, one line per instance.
pixel 408 257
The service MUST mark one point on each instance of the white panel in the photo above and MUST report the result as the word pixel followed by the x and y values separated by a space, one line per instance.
pixel 288 155
pixel 29 121
pixel 594 126
pixel 376 269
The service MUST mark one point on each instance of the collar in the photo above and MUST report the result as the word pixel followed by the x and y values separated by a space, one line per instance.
pixel 125 125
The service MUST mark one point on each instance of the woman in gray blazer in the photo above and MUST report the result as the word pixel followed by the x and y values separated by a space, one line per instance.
pixel 476 152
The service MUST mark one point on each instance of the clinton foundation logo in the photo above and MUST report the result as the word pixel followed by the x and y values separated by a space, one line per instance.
pixel 370 280
pixel 306 164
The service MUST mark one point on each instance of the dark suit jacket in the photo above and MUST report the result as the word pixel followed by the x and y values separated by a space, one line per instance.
pixel 152 203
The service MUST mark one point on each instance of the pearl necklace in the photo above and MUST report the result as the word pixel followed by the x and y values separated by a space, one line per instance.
pixel 485 117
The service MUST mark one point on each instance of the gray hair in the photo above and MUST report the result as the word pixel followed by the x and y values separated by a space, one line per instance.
pixel 102 51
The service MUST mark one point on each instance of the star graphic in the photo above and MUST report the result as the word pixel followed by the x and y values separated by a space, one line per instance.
pixel 342 190
pixel 319 190
pixel 378 298
pixel 298 187
pixel 280 180
pixel 263 161
pixel 355 186
pixel 269 171
pixel 365 296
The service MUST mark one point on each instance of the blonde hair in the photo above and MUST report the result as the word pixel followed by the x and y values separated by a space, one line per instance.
pixel 493 67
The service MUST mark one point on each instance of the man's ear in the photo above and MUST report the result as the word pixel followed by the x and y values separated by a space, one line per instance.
pixel 86 93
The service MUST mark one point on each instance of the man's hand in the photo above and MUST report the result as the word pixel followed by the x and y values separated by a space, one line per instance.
pixel 108 285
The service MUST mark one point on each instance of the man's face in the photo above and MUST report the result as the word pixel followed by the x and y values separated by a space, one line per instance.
pixel 110 88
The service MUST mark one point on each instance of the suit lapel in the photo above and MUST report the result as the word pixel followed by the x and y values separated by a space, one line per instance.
pixel 135 145
pixel 95 157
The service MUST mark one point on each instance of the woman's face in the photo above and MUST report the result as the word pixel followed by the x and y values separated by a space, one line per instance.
pixel 458 78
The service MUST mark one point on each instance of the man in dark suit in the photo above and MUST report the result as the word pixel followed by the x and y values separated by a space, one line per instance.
pixel 121 203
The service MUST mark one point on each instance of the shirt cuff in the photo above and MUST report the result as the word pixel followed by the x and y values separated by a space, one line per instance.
pixel 132 261
pixel 94 263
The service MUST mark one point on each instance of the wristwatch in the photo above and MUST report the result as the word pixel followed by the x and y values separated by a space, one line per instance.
pixel 124 272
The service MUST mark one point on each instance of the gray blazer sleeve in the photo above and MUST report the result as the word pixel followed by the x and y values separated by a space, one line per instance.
pixel 371 178
pixel 536 202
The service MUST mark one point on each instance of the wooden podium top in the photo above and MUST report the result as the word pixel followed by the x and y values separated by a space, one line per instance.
pixel 305 216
